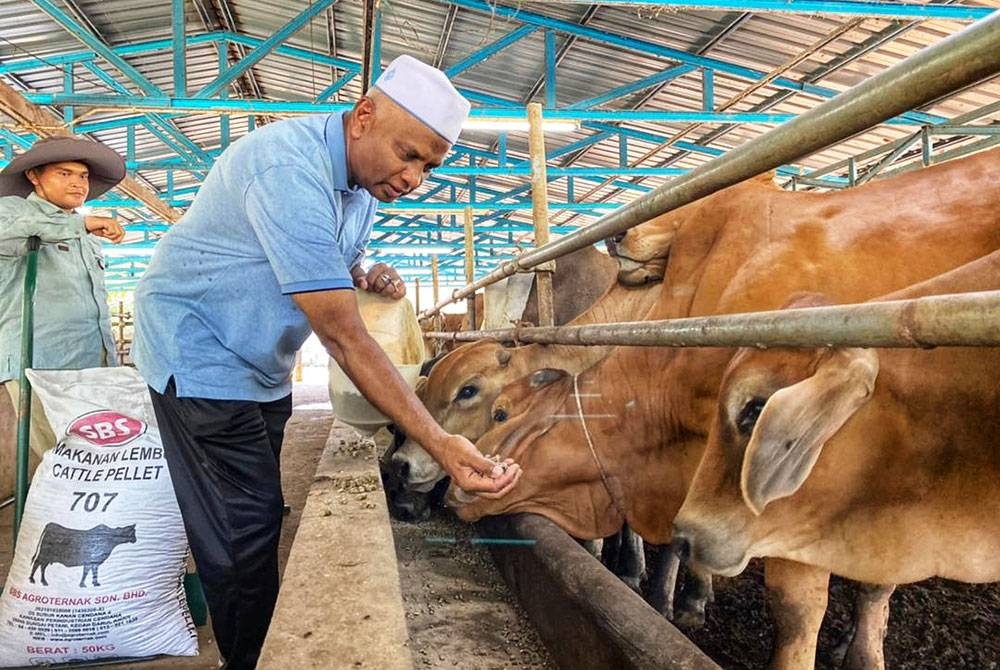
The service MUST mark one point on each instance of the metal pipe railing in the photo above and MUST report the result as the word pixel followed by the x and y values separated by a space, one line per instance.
pixel 959 320
pixel 954 63
pixel 24 397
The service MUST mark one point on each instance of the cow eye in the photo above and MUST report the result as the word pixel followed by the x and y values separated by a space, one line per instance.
pixel 500 415
pixel 466 392
pixel 749 415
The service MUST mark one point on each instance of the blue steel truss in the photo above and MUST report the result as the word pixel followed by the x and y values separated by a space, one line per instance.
pixel 492 181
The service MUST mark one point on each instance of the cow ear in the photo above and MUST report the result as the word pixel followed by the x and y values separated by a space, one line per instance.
pixel 546 377
pixel 798 420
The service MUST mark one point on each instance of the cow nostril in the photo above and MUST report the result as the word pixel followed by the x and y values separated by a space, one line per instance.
pixel 403 469
pixel 681 547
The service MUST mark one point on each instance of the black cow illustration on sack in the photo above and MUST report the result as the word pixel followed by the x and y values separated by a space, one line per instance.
pixel 73 547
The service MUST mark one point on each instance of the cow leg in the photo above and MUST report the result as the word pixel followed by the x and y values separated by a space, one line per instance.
pixel 83 577
pixel 31 577
pixel 863 646
pixel 663 580
pixel 697 593
pixel 93 574
pixel 593 547
pixel 797 597
pixel 611 547
pixel 631 559
pixel 44 565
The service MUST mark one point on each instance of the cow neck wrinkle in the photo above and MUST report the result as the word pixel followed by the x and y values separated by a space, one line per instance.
pixel 593 450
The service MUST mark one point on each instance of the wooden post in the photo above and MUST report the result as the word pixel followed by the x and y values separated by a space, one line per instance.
pixel 540 213
pixel 435 281
pixel 436 291
pixel 416 291
pixel 470 267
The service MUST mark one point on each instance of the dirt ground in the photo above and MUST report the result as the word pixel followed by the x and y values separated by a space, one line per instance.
pixel 458 609
pixel 933 625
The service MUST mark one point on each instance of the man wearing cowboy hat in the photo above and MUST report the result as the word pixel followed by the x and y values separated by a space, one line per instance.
pixel 271 248
pixel 39 193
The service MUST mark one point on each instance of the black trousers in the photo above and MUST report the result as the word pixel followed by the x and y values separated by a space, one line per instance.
pixel 224 460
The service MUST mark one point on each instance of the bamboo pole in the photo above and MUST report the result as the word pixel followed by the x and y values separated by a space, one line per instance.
pixel 470 267
pixel 540 213
pixel 435 280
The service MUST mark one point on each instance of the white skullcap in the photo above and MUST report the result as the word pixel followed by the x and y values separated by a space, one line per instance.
pixel 426 93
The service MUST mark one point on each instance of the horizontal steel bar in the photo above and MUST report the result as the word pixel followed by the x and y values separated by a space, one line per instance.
pixel 962 320
pixel 244 106
pixel 953 63
pixel 883 10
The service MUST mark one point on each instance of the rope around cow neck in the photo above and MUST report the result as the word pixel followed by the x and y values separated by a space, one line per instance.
pixel 593 450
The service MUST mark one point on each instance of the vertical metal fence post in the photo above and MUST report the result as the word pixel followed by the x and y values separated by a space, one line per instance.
pixel 24 397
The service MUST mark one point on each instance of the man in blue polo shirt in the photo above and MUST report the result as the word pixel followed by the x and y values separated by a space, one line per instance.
pixel 269 250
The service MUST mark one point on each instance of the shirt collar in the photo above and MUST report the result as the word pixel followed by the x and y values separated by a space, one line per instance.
pixel 44 204
pixel 338 153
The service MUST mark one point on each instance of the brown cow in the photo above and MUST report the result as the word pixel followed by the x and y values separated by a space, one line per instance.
pixel 877 466
pixel 461 386
pixel 647 411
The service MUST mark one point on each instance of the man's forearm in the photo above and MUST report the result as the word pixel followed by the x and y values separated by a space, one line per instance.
pixel 17 228
pixel 364 362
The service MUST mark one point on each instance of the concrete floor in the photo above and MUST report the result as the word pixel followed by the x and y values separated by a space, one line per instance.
pixel 305 436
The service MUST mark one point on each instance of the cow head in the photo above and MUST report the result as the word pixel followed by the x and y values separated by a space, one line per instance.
pixel 458 393
pixel 643 251
pixel 126 534
pixel 534 425
pixel 776 410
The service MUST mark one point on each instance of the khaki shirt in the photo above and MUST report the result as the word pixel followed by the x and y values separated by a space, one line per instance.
pixel 72 325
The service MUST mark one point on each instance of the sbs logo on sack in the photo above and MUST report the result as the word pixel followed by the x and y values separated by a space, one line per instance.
pixel 107 428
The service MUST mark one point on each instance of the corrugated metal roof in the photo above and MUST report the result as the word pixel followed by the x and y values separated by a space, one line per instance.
pixel 834 52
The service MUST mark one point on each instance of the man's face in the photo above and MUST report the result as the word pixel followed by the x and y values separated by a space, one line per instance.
pixel 63 184
pixel 390 152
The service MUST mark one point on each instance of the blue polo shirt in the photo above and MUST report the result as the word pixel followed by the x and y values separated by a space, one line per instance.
pixel 275 217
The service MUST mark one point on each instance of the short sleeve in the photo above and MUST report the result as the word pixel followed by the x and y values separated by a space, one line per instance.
pixel 298 222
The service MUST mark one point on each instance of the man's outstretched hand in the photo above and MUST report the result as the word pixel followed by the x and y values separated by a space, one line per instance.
pixel 474 473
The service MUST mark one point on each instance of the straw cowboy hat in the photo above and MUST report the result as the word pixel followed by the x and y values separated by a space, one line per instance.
pixel 106 167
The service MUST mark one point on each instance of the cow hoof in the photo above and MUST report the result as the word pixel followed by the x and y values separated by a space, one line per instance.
pixel 31 579
pixel 690 616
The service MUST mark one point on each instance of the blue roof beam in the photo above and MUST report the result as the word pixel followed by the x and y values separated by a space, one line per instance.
pixel 491 49
pixel 653 49
pixel 646 82
pixel 99 47
pixel 203 105
pixel 879 9
pixel 229 76
pixel 179 48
